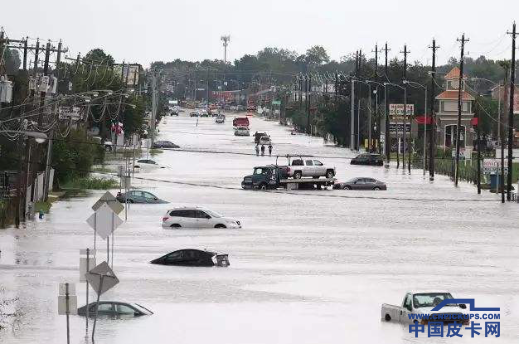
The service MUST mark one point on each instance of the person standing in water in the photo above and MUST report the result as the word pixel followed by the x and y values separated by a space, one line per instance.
pixel 270 149
pixel 263 150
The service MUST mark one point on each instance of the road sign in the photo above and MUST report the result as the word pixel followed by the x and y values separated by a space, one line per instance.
pixel 83 266
pixel 72 299
pixel 104 221
pixel 276 102
pixel 397 109
pixel 494 166
pixel 102 278
pixel 112 202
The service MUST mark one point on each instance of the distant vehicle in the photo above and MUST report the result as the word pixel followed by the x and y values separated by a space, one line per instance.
pixel 242 131
pixel 422 303
pixel 241 122
pixel 367 159
pixel 251 108
pixel 138 196
pixel 361 184
pixel 241 108
pixel 164 144
pixel 265 140
pixel 197 218
pixel 114 308
pixel 275 177
pixel 146 164
pixel 220 119
pixel 192 257
pixel 309 167
pixel 108 146
pixel 194 114
pixel 258 135
pixel 204 113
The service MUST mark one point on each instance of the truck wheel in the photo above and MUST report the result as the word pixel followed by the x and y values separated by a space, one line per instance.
pixel 263 186
pixel 388 317
pixel 297 175
pixel 329 174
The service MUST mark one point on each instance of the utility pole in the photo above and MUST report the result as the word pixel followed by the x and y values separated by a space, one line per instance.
pixel 405 113
pixel 353 106
pixel 478 153
pixel 36 52
pixel 309 130
pixel 433 125
pixel 154 107
pixel 25 54
pixel 462 41
pixel 387 119
pixel 370 121
pixel 511 120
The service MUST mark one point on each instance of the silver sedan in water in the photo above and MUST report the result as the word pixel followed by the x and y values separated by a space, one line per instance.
pixel 361 184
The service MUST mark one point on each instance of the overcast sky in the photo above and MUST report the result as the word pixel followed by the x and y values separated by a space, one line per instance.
pixel 152 30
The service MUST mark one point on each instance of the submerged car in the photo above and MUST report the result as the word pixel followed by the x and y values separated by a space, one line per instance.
pixel 164 144
pixel 146 164
pixel 114 308
pixel 194 114
pixel 220 119
pixel 367 159
pixel 242 131
pixel 197 218
pixel 192 257
pixel 138 196
pixel 361 184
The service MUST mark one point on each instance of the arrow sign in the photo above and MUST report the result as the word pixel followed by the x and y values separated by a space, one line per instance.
pixel 104 221
pixel 101 278
pixel 112 202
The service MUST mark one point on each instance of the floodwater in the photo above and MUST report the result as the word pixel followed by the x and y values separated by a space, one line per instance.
pixel 308 267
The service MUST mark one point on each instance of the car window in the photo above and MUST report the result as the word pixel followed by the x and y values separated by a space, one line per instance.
pixel 297 162
pixel 103 307
pixel 191 254
pixel 408 302
pixel 200 214
pixel 308 162
pixel 317 163
pixel 124 309
pixel 178 213
pixel 175 256
pixel 148 195
pixel 360 181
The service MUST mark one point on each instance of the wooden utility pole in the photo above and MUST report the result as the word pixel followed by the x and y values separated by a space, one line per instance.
pixel 405 112
pixel 511 109
pixel 387 118
pixel 433 125
pixel 462 41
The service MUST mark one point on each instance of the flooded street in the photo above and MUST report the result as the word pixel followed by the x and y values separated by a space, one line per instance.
pixel 307 267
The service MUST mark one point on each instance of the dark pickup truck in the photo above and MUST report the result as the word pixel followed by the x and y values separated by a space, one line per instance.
pixel 274 177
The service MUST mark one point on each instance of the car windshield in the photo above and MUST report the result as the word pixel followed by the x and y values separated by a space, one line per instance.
pixel 429 299
pixel 212 213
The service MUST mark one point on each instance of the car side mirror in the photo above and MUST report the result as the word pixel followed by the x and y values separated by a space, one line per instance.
pixel 208 217
pixel 463 306
pixel 155 198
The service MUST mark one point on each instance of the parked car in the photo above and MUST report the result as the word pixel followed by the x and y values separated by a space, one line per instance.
pixel 361 184
pixel 197 218
pixel 265 140
pixel 114 308
pixel 146 164
pixel 309 167
pixel 138 196
pixel 242 131
pixel 220 119
pixel 422 304
pixel 367 159
pixel 203 113
pixel 258 135
pixel 194 114
pixel 164 144
pixel 191 257
pixel 241 108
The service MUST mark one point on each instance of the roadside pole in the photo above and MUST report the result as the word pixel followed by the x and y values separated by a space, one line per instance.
pixel 478 154
pixel 352 110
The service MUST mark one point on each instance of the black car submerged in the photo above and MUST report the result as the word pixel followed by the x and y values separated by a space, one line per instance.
pixel 193 257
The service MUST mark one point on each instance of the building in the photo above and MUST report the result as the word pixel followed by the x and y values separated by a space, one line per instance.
pixel 448 113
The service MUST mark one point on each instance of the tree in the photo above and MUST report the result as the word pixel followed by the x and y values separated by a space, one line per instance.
pixel 317 55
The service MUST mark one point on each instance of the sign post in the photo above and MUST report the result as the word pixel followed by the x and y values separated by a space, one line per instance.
pixel 102 279
pixel 84 266
pixel 67 303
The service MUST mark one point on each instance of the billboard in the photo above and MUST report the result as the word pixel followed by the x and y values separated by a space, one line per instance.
pixel 396 110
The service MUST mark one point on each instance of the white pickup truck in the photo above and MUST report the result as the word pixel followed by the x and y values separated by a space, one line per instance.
pixel 309 167
pixel 417 307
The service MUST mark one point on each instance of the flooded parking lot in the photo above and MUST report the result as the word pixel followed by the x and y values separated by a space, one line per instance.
pixel 307 266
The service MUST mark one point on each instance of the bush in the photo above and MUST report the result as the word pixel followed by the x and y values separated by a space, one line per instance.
pixel 91 183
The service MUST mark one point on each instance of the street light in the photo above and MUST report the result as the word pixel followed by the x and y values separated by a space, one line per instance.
pixel 379 125
pixel 424 124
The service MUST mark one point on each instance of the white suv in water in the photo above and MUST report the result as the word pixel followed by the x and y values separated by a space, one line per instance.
pixel 197 218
